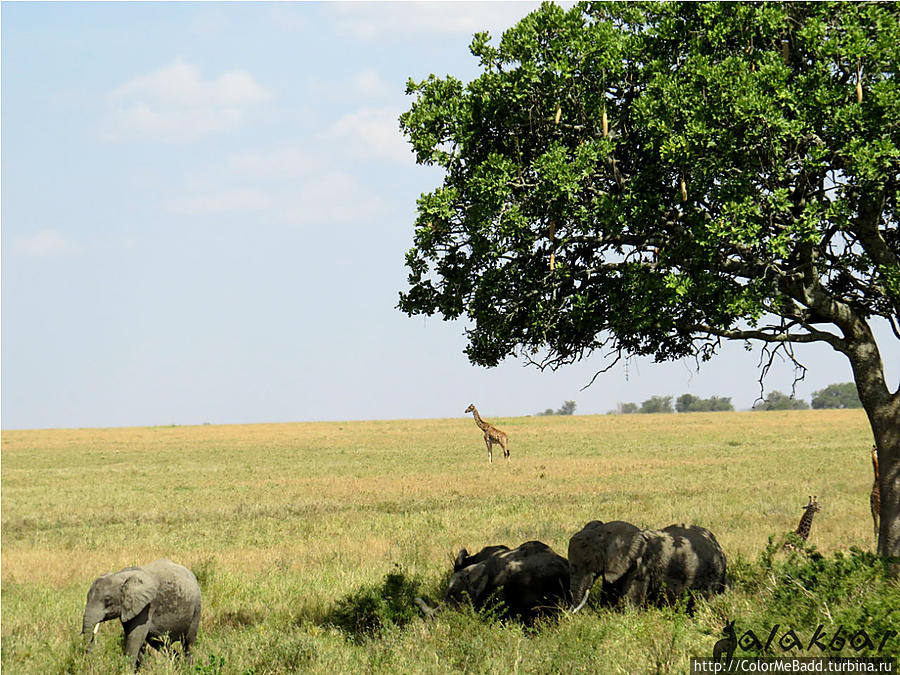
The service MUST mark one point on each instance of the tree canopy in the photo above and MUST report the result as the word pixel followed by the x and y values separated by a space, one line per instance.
pixel 691 403
pixel 652 178
pixel 657 404
pixel 836 396
pixel 655 177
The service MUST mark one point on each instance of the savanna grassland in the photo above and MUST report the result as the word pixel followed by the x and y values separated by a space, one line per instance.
pixel 285 524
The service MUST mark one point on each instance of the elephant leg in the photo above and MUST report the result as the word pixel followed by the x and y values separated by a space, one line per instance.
pixel 136 631
pixel 188 640
pixel 135 639
pixel 637 592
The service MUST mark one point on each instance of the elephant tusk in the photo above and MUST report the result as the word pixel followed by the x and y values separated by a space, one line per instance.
pixel 581 604
pixel 96 628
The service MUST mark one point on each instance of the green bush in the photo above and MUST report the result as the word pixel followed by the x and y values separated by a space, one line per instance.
pixel 371 608
pixel 805 589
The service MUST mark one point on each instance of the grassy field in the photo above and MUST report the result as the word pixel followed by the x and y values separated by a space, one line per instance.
pixel 280 522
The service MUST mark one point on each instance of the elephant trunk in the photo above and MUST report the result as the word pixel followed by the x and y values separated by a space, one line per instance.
pixel 424 608
pixel 581 588
pixel 90 623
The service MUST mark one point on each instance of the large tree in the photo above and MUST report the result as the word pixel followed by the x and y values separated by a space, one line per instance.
pixel 655 178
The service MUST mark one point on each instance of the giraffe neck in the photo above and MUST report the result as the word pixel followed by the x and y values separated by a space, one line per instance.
pixel 480 422
pixel 806 522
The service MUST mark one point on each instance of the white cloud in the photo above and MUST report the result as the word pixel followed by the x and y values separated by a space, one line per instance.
pixel 175 103
pixel 225 201
pixel 371 133
pixel 379 20
pixel 370 84
pixel 293 185
pixel 333 198
pixel 280 164
pixel 43 244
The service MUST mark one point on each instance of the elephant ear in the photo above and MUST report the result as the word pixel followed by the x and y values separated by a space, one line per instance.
pixel 621 553
pixel 460 560
pixel 478 582
pixel 138 591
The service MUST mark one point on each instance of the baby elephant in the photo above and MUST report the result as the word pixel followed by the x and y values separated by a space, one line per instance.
pixel 156 602
pixel 644 565
pixel 530 580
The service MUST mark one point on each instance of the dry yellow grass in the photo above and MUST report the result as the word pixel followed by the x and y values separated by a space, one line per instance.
pixel 297 515
pixel 374 491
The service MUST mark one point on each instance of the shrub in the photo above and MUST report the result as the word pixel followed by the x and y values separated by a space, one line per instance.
pixel 371 608
pixel 806 589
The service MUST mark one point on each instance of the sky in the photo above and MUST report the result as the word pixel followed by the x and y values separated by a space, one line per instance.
pixel 205 212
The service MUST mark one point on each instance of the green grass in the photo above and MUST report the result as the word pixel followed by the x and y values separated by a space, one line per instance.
pixel 291 528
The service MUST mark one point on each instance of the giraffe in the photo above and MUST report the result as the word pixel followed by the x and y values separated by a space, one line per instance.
pixel 875 497
pixel 802 531
pixel 491 434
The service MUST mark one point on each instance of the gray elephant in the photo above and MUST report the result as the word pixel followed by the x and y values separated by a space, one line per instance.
pixel 642 566
pixel 156 602
pixel 530 580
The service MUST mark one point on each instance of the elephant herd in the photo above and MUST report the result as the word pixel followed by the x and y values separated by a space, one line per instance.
pixel 160 602
pixel 634 565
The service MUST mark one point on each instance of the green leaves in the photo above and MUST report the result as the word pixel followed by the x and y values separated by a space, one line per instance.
pixel 648 175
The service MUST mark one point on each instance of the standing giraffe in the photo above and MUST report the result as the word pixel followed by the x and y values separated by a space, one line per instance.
pixel 491 434
pixel 802 531
pixel 875 497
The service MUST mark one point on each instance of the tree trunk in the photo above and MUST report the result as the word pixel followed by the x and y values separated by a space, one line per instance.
pixel 886 429
pixel 883 410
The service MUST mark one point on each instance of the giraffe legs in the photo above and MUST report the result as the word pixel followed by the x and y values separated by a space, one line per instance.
pixel 490 447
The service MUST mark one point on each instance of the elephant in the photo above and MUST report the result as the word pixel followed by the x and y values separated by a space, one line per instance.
pixel 531 580
pixel 155 602
pixel 463 559
pixel 642 566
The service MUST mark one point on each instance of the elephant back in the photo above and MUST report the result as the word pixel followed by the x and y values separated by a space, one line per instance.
pixel 179 576
pixel 695 556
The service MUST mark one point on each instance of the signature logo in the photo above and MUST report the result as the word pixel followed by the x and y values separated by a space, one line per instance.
pixel 788 639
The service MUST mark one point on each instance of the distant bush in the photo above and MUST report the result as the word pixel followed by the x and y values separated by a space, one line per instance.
pixel 657 404
pixel 691 403
pixel 568 408
pixel 837 396
pixel 779 401
pixel 371 608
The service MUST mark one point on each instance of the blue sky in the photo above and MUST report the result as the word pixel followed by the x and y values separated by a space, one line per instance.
pixel 205 210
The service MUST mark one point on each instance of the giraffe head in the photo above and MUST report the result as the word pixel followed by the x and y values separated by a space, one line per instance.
pixel 470 408
pixel 813 505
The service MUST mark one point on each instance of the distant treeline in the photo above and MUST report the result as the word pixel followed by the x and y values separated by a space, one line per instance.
pixel 568 408
pixel 684 403
pixel 833 396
